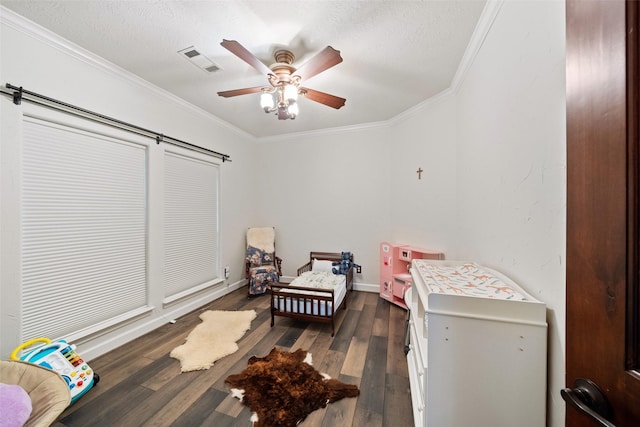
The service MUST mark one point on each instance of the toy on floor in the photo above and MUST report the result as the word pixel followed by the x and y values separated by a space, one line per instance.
pixel 61 357
pixel 15 405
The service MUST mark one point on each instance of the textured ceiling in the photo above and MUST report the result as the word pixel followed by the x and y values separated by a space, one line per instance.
pixel 396 54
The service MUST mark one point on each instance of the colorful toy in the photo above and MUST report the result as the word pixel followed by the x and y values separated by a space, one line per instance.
pixel 61 357
pixel 341 267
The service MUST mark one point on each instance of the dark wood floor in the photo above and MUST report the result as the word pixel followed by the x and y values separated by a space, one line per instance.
pixel 140 385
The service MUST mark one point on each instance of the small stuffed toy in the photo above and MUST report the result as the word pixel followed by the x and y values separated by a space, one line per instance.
pixel 344 265
pixel 15 405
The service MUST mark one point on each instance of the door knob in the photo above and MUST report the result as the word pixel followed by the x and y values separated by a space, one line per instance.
pixel 587 398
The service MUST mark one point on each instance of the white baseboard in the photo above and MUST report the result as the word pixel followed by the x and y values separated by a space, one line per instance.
pixel 366 287
pixel 100 344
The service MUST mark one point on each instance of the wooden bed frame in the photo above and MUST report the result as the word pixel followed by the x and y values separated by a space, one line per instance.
pixel 322 297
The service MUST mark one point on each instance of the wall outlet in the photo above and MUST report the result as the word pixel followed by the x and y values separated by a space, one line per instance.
pixel 226 272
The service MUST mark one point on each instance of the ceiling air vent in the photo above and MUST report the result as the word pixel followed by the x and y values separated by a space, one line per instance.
pixel 199 60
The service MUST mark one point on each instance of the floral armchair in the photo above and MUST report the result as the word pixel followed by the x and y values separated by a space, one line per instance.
pixel 263 267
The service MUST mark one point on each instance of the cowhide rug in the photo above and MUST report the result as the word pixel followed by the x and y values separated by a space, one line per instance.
pixel 283 388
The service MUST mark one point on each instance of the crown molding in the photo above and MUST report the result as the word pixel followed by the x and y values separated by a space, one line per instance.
pixel 31 29
pixel 434 100
pixel 485 22
pixel 327 131
pixel 487 18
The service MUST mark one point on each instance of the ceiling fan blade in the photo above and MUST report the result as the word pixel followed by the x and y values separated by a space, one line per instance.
pixel 241 52
pixel 324 60
pixel 236 92
pixel 323 98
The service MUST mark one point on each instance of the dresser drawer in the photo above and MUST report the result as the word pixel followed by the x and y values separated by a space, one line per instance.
pixel 420 358
pixel 416 359
pixel 417 397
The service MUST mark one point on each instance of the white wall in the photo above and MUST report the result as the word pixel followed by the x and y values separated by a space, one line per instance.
pixel 421 213
pixel 328 192
pixel 511 163
pixel 42 62
pixel 351 190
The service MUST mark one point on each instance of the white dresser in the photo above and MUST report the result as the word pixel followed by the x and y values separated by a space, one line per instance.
pixel 478 348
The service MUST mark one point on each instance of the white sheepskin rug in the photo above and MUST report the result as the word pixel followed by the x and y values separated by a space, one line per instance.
pixel 213 339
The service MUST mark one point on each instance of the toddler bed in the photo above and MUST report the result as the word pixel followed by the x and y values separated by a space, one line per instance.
pixel 317 293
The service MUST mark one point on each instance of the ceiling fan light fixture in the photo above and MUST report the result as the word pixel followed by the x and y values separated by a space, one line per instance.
pixel 293 110
pixel 266 102
pixel 285 80
pixel 290 92
pixel 286 105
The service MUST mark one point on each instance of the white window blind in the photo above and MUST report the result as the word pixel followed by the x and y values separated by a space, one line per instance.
pixel 83 230
pixel 191 259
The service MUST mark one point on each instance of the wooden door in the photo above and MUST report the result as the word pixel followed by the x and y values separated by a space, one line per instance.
pixel 603 315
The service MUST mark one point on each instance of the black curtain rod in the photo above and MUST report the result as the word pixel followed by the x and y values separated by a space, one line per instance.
pixel 19 93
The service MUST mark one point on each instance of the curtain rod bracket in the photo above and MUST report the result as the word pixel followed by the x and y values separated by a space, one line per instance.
pixel 159 138
pixel 17 96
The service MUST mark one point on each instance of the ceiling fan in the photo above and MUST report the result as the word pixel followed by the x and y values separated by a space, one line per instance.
pixel 285 79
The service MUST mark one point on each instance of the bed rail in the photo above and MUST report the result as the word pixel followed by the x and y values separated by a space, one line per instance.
pixel 314 305
pixel 320 299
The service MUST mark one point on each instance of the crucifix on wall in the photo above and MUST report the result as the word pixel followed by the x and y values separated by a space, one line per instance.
pixel 419 172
